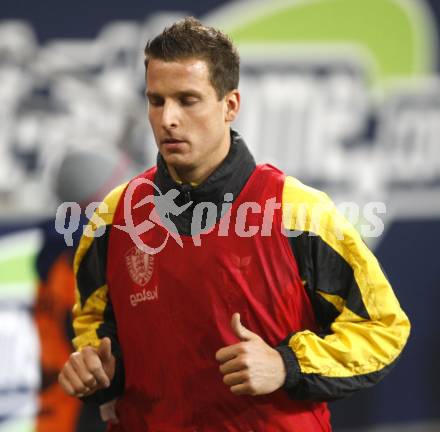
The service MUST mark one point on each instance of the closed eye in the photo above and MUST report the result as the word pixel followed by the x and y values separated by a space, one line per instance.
pixel 155 100
pixel 188 100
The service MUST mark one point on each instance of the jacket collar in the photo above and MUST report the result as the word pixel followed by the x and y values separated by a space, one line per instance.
pixel 229 177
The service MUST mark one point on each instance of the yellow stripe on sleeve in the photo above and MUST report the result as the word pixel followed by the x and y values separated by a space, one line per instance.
pixel 88 318
pixel 356 345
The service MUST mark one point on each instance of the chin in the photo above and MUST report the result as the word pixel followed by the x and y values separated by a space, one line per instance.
pixel 173 158
pixel 177 161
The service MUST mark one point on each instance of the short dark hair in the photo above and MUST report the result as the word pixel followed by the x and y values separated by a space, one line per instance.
pixel 189 38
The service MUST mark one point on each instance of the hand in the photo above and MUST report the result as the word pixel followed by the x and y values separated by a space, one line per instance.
pixel 250 367
pixel 88 370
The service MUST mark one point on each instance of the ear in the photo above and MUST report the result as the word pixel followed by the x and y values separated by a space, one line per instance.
pixel 232 102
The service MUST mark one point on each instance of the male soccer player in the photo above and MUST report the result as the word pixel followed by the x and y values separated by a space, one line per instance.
pixel 202 314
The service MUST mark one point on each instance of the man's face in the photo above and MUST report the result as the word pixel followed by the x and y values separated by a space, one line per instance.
pixel 190 124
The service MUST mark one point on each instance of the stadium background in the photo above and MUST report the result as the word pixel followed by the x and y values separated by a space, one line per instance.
pixel 344 94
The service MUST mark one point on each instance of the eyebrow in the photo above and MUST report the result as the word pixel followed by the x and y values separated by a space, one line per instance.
pixel 184 93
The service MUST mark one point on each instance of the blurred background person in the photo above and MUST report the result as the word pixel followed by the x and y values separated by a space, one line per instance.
pixel 82 177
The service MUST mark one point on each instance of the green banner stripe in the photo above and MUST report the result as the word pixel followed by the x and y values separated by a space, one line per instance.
pixel 396 35
pixel 18 269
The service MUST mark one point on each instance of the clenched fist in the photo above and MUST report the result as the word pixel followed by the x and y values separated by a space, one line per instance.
pixel 88 370
pixel 250 367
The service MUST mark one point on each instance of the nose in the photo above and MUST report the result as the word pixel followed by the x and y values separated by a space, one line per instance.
pixel 170 115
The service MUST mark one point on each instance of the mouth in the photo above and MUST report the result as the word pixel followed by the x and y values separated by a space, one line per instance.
pixel 170 141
